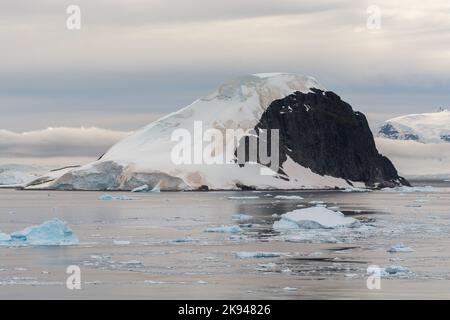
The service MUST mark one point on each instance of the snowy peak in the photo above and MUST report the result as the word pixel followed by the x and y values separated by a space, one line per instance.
pixel 266 86
pixel 425 128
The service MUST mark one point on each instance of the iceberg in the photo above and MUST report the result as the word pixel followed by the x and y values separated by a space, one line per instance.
pixel 52 232
pixel 243 198
pixel 400 247
pixel 225 229
pixel 288 197
pixel 391 271
pixel 4 237
pixel 242 217
pixel 249 255
pixel 314 218
pixel 108 197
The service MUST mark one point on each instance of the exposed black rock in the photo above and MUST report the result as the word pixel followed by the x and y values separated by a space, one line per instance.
pixel 320 131
pixel 445 137
pixel 389 131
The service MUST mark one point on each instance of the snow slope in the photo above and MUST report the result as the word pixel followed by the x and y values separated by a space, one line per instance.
pixel 145 156
pixel 417 144
pixel 426 127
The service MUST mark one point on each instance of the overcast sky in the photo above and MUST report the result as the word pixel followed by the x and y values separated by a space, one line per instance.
pixel 134 60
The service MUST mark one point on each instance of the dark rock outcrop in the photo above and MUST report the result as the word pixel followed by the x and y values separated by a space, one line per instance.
pixel 320 131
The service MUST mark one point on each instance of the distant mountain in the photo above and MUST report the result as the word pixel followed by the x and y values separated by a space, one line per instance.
pixel 425 128
pixel 323 143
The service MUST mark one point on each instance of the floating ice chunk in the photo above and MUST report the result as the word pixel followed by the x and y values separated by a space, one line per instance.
pixel 121 242
pixel 52 232
pixel 153 282
pixel 108 197
pixel 224 229
pixel 400 247
pixel 409 189
pixel 257 255
pixel 316 202
pixel 133 264
pixel 288 197
pixel 246 225
pixel 390 271
pixel 243 198
pixel 4 237
pixel 314 218
pixel 183 240
pixel 290 289
pixel 394 270
pixel 242 217
pixel 354 189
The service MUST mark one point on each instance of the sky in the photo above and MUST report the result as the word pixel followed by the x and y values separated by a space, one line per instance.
pixel 72 93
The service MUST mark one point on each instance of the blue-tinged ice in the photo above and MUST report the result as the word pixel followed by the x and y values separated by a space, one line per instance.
pixel 257 255
pixel 146 188
pixel 4 237
pixel 52 232
pixel 108 197
pixel 400 247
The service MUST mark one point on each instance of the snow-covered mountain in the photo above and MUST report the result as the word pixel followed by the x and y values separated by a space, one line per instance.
pixel 426 127
pixel 323 143
pixel 418 144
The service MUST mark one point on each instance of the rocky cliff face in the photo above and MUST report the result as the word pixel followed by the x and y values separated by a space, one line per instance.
pixel 321 132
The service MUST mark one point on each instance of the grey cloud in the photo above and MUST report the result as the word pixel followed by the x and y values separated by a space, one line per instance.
pixel 58 142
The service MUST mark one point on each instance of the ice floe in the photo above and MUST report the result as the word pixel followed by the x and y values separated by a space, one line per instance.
pixel 405 189
pixel 109 197
pixel 288 197
pixel 400 247
pixel 52 232
pixel 243 198
pixel 316 202
pixel 257 254
pixel 4 237
pixel 121 242
pixel 242 217
pixel 391 271
pixel 224 229
pixel 314 218
pixel 354 189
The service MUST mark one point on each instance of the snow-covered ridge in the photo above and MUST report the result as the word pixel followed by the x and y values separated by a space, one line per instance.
pixel 426 127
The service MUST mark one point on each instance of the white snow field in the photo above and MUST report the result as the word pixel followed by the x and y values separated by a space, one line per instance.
pixel 146 155
pixel 431 127
pixel 418 144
